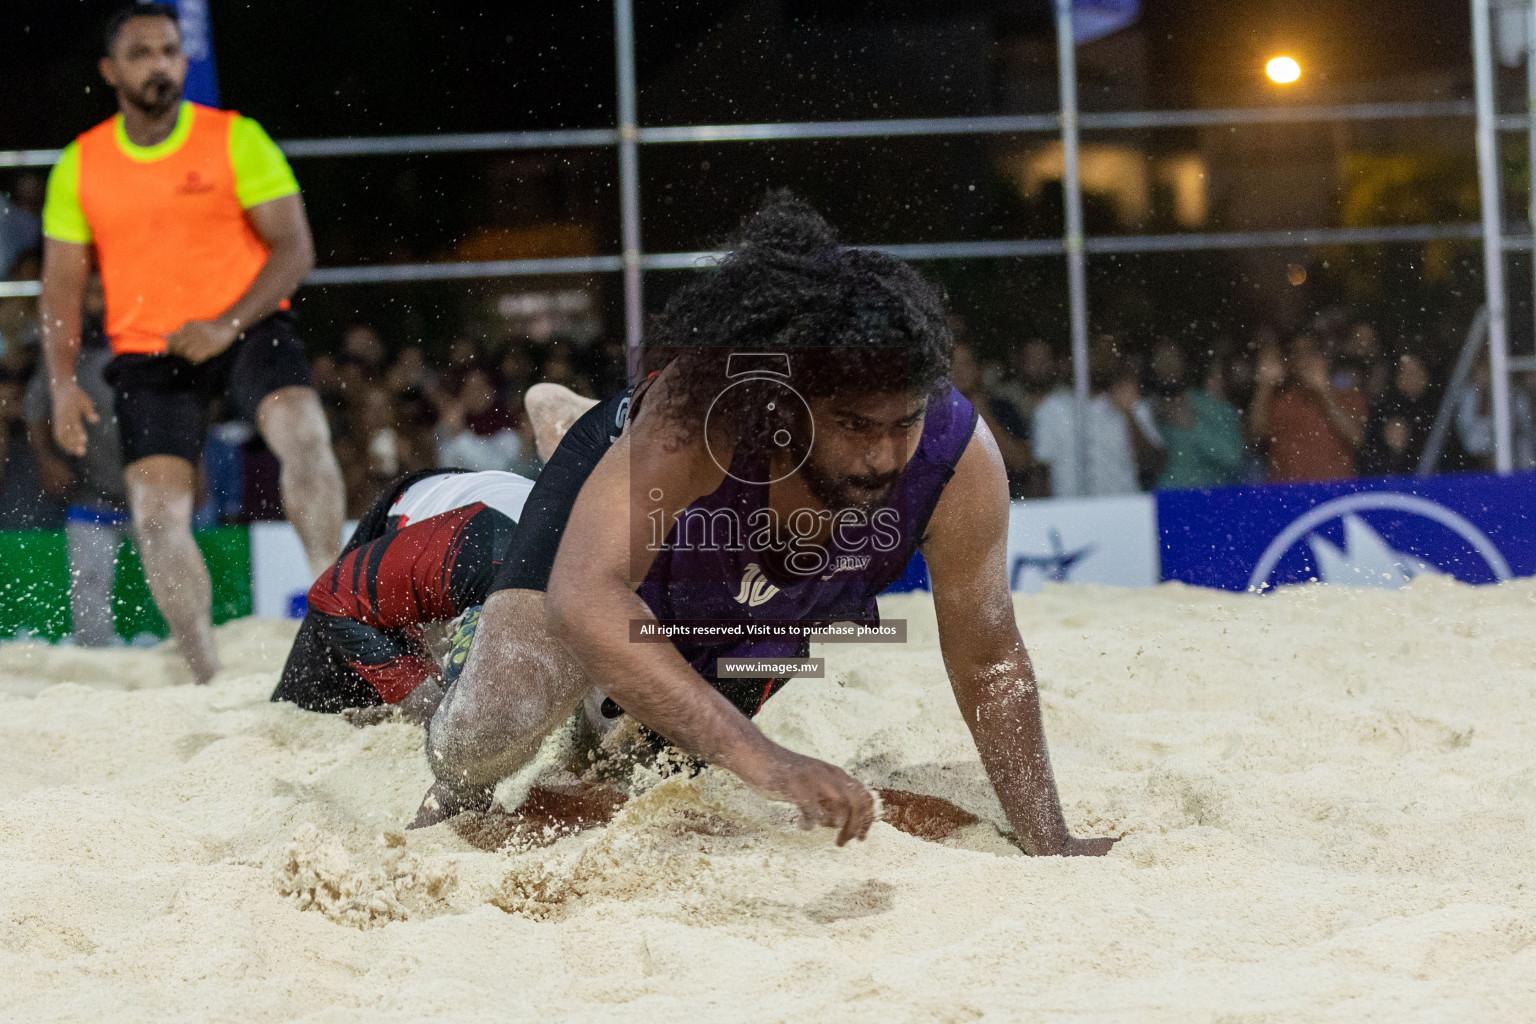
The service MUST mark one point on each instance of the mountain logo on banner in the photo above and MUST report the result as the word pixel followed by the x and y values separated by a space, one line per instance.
pixel 1368 557
pixel 1055 567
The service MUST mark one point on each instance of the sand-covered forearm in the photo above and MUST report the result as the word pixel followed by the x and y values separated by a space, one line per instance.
pixel 1001 705
pixel 653 683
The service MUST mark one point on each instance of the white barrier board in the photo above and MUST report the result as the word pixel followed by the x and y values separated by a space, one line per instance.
pixel 1112 541
pixel 1109 540
pixel 279 571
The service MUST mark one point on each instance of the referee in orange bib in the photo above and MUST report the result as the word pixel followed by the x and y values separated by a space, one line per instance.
pixel 197 225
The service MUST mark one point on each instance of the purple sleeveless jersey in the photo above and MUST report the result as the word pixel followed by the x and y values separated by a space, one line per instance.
pixel 686 582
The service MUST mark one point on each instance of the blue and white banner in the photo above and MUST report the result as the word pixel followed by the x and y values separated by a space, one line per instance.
pixel 1109 541
pixel 1371 533
pixel 197 41
pixel 1364 533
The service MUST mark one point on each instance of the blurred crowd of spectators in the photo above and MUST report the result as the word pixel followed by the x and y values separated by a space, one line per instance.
pixel 391 414
pixel 1330 402
pixel 1334 400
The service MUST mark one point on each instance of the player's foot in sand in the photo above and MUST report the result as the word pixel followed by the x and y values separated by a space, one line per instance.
pixel 443 802
pixel 544 816
pixel 552 408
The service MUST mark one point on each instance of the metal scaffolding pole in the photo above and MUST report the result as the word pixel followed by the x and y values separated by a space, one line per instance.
pixel 1077 279
pixel 1530 116
pixel 629 181
pixel 1493 233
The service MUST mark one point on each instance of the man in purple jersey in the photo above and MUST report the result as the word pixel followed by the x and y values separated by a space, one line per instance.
pixel 798 444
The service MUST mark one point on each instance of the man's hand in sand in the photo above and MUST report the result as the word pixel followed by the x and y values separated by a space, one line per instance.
pixel 825 794
pixel 988 667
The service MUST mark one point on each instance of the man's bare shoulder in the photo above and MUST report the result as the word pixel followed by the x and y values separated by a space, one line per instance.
pixel 661 443
pixel 973 507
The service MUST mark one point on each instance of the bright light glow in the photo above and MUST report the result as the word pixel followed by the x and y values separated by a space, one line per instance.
pixel 1283 70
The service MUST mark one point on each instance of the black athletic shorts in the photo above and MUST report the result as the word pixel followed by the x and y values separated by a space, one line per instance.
pixel 548 508
pixel 324 671
pixel 162 400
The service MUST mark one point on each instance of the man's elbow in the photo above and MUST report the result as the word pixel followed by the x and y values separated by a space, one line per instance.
pixel 293 249
pixel 561 612
pixel 304 257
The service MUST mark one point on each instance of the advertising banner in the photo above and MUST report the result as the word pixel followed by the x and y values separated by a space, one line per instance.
pixel 1370 533
pixel 1110 540
pixel 279 571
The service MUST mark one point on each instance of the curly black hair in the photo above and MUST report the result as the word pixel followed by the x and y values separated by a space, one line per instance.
pixel 852 322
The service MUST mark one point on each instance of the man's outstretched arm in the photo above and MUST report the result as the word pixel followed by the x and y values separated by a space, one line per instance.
pixel 994 683
pixel 591 599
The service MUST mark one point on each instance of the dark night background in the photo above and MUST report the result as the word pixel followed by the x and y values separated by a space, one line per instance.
pixel 349 67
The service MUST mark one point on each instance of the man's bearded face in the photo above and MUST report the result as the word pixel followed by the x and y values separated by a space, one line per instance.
pixel 147 66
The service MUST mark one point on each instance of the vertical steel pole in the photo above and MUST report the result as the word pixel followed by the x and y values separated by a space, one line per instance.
pixel 1493 234
pixel 1077 280
pixel 1530 133
pixel 629 181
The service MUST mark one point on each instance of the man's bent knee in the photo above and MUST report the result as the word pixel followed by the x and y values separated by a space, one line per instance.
pixel 292 422
pixel 160 494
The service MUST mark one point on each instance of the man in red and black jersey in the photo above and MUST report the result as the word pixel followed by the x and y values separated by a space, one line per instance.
pixel 426 552
pixel 429 549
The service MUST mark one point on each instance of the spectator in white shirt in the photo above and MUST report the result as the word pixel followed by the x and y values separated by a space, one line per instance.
pixel 475 429
pixel 1111 465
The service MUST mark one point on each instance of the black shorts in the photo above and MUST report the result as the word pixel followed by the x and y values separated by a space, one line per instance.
pixel 162 400
pixel 338 661
pixel 548 508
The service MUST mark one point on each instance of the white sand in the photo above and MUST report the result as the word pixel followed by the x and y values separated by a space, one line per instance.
pixel 1327 797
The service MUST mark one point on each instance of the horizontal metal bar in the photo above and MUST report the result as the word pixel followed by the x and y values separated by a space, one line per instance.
pixel 457 143
pixel 1520 364
pixel 459 271
pixel 852 129
pixel 1277 114
pixel 1280 239
pixel 29 157
pixel 1052 122
pixel 679 260
pixel 400 145
pixel 1000 249
pixel 973 250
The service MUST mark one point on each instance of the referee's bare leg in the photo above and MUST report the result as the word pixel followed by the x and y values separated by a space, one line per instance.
pixel 160 496
pixel 294 426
